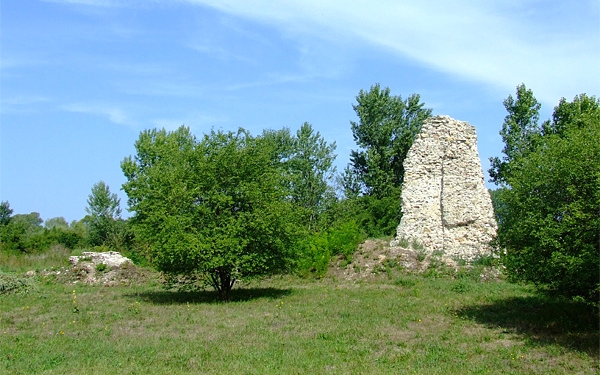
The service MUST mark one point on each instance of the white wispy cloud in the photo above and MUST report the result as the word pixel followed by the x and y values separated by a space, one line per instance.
pixel 113 113
pixel 551 46
pixel 21 103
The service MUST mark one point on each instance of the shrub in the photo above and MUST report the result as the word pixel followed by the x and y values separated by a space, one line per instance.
pixel 314 255
pixel 486 261
pixel 11 284
pixel 315 251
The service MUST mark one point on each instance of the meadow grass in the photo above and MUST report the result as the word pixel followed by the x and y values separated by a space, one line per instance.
pixel 286 325
pixel 56 256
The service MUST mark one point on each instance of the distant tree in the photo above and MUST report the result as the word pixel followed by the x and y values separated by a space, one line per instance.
pixel 550 209
pixel 80 229
pixel 385 131
pixel 56 222
pixel 23 233
pixel 215 207
pixel 5 213
pixel 519 132
pixel 310 168
pixel 103 212
pixel 31 223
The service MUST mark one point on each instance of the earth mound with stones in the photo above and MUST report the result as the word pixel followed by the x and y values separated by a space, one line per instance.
pixel 376 258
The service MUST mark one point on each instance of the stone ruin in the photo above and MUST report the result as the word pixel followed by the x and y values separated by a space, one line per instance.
pixel 106 268
pixel 446 207
pixel 111 259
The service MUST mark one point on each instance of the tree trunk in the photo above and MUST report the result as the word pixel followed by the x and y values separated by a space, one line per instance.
pixel 222 281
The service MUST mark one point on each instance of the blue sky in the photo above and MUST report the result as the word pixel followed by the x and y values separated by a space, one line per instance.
pixel 79 79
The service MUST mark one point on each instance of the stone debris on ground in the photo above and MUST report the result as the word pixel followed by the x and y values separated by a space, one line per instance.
pixel 98 268
pixel 112 259
pixel 375 258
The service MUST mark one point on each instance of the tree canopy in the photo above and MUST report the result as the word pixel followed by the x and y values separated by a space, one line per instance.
pixel 549 208
pixel 214 207
pixel 104 211
pixel 386 128
pixel 519 131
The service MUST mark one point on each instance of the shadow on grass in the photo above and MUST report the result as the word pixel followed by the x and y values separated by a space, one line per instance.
pixel 542 321
pixel 209 296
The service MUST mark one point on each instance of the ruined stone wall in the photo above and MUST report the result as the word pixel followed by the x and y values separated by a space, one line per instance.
pixel 445 204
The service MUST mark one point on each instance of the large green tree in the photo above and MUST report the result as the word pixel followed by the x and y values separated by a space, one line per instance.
pixel 550 207
pixel 214 207
pixel 386 128
pixel 519 131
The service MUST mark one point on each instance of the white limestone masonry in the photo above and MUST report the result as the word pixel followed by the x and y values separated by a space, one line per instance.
pixel 445 204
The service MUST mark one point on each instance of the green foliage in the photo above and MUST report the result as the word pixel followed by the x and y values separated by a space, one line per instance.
pixel 101 267
pixel 344 238
pixel 310 169
pixel 375 217
pixel 5 213
pixel 416 245
pixel 215 206
pixel 12 284
pixel 314 255
pixel 56 222
pixel 315 251
pixel 486 261
pixel 103 219
pixel 579 113
pixel 307 162
pixel 519 132
pixel 385 131
pixel 421 255
pixel 550 215
pixel 55 256
pixel 23 233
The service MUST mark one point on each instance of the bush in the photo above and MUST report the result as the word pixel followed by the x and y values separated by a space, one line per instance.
pixel 379 217
pixel 314 255
pixel 315 251
pixel 11 284
pixel 550 218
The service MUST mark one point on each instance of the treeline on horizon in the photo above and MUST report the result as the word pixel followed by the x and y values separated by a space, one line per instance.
pixel 231 205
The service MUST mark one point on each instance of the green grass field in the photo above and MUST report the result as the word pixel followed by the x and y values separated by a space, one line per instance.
pixel 394 324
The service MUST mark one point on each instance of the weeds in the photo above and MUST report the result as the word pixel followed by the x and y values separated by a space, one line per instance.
pixel 416 245
pixel 101 267
pixel 403 242
pixel 11 284
pixel 486 261
pixel 75 307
